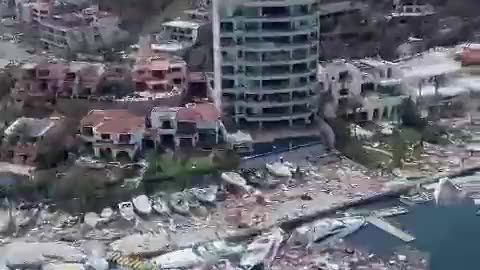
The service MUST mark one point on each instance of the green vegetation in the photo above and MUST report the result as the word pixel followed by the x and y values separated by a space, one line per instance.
pixel 174 172
pixel 163 166
pixel 352 147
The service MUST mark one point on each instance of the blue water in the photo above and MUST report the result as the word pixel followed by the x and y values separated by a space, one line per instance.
pixel 450 235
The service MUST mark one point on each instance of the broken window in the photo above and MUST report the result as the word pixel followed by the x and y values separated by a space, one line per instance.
pixel 177 81
pixel 344 92
pixel 167 125
pixel 43 72
pixel 87 131
pixel 124 138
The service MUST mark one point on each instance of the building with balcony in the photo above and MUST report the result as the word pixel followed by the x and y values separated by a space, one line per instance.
pixel 182 31
pixel 88 30
pixel 364 90
pixel 265 61
pixel 113 134
pixel 38 81
pixel 195 124
pixel 159 74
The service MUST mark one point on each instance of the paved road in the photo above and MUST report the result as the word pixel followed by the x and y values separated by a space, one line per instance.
pixel 295 156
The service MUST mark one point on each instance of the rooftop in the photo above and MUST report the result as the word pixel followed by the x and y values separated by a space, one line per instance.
pixel 171 46
pixel 339 7
pixel 31 127
pixel 198 112
pixel 431 63
pixel 113 121
pixel 183 24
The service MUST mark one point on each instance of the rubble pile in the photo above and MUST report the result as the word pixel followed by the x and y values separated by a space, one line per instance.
pixel 183 229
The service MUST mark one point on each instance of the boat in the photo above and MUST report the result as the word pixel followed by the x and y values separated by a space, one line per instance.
pixel 263 250
pixel 235 179
pixel 325 229
pixel 107 213
pixel 215 250
pixel 160 204
pixel 205 195
pixel 419 198
pixel 447 194
pixel 142 205
pixel 199 254
pixel 195 206
pixel 178 202
pixel 179 259
pixel 126 210
pixel 278 169
pixel 264 181
pixel 390 212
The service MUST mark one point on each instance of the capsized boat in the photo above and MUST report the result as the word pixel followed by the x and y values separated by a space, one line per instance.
pixel 179 203
pixel 206 195
pixel 160 204
pixel 325 229
pixel 126 210
pixel 390 212
pixel 142 204
pixel 263 250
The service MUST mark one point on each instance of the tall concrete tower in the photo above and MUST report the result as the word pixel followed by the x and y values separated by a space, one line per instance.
pixel 265 63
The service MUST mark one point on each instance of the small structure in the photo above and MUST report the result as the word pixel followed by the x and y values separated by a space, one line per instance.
pixel 113 134
pixel 182 31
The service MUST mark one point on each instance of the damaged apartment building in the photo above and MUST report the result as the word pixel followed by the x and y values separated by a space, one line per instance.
pixel 265 55
pixel 122 136
pixel 363 90
pixel 71 27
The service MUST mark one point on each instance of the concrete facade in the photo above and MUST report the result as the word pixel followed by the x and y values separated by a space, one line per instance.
pixel 376 86
pixel 88 30
pixel 182 31
pixel 266 60
pixel 115 134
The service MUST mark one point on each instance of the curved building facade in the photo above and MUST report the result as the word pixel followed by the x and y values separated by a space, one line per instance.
pixel 266 54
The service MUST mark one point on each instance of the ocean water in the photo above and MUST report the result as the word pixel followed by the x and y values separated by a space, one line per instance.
pixel 450 235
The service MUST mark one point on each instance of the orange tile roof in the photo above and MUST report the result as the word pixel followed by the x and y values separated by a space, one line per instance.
pixel 198 112
pixel 113 121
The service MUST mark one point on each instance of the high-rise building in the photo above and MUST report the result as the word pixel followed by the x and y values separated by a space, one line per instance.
pixel 266 55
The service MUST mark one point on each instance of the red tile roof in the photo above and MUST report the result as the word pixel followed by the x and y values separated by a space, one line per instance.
pixel 198 112
pixel 470 56
pixel 113 121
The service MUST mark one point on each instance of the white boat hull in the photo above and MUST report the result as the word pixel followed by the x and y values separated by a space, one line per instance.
pixel 142 205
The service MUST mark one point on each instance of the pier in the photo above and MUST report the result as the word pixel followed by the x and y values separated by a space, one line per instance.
pixel 389 228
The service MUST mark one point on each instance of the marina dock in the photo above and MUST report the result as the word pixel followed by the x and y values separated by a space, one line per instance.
pixel 389 228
